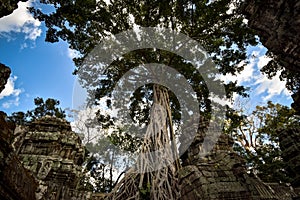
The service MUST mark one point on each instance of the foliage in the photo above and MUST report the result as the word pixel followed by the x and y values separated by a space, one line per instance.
pixel 7 7
pixel 257 141
pixel 84 24
pixel 292 78
pixel 106 161
pixel 105 143
pixel 19 118
pixel 145 192
pixel 43 108
pixel 95 178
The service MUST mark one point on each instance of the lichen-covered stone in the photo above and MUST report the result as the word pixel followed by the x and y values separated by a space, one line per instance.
pixel 50 149
pixel 16 182
pixel 220 174
pixel 51 156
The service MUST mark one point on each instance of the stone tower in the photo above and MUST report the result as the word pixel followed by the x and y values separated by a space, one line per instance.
pixel 54 154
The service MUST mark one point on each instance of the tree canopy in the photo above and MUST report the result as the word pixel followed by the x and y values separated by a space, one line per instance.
pixel 257 140
pixel 7 7
pixel 215 25
pixel 85 24
pixel 43 108
pixel 220 30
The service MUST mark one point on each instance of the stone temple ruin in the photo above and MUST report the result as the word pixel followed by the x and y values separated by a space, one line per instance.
pixel 45 163
pixel 53 153
pixel 222 175
pixel 43 160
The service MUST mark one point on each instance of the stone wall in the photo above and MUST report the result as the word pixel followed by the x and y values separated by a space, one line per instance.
pixel 54 155
pixel 277 22
pixel 290 146
pixel 16 182
pixel 220 174
pixel 44 162
pixel 50 149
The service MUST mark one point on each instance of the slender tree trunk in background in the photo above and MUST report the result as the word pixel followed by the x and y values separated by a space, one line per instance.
pixel 111 170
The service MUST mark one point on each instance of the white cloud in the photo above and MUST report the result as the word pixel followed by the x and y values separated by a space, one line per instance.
pixel 73 53
pixel 272 86
pixel 245 21
pixel 10 88
pixel 232 7
pixel 245 76
pixel 21 21
pixel 262 61
pixel 11 102
pixel 108 2
pixel 258 82
pixel 32 32
pixel 11 91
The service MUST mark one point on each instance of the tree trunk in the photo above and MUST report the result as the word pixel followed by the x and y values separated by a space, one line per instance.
pixel 158 161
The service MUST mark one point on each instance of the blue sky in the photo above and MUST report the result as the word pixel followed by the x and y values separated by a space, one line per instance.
pixel 41 69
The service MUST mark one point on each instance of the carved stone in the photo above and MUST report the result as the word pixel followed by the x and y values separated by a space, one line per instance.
pixel 52 152
pixel 277 22
pixel 220 174
pixel 16 182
